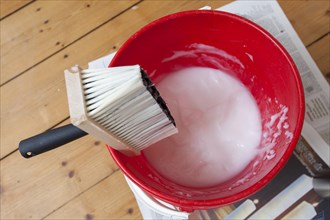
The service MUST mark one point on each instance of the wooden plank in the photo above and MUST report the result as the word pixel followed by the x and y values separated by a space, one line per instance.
pixel 32 103
pixel 23 32
pixel 32 188
pixel 45 179
pixel 37 188
pixel 52 24
pixel 320 51
pixel 310 19
pixel 45 103
pixel 9 6
pixel 47 98
pixel 107 200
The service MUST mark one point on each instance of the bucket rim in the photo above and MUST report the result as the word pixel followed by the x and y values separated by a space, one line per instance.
pixel 192 204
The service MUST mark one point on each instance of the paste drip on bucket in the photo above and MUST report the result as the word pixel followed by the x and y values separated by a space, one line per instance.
pixel 219 128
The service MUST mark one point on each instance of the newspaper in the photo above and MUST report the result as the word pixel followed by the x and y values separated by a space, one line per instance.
pixel 313 147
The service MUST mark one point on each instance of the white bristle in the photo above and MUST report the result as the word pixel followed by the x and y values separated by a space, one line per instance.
pixel 117 99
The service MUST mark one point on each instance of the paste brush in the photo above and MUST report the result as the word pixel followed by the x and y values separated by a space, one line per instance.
pixel 119 106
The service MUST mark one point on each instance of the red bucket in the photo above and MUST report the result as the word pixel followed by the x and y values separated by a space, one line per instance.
pixel 264 67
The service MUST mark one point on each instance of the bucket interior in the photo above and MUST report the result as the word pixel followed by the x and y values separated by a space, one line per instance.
pixel 249 54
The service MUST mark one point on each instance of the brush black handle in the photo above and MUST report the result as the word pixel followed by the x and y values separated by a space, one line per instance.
pixel 49 140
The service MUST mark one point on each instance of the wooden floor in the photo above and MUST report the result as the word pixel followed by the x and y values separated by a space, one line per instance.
pixel 39 39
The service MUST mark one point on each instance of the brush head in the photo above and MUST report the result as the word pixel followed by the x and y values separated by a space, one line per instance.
pixel 119 105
